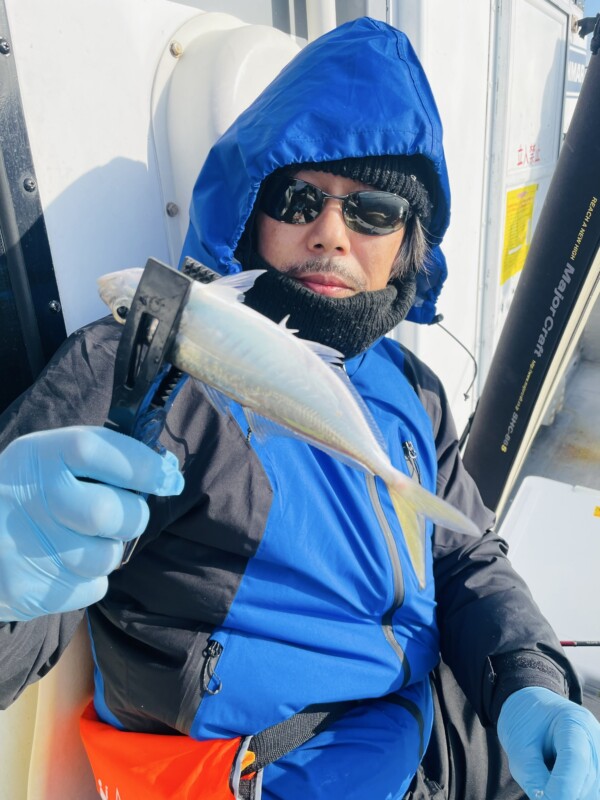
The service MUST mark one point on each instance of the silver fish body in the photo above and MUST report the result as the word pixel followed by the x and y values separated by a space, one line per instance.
pixel 291 383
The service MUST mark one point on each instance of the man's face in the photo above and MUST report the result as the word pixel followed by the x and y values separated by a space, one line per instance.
pixel 325 255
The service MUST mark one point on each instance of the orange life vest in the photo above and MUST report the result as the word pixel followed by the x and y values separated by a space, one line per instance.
pixel 151 766
pixel 148 766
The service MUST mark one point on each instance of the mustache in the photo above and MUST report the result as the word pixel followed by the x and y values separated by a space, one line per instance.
pixel 328 266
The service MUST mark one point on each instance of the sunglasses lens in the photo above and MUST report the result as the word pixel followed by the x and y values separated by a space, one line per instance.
pixel 298 203
pixel 291 200
pixel 376 213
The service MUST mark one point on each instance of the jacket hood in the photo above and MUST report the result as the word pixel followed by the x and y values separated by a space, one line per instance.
pixel 358 90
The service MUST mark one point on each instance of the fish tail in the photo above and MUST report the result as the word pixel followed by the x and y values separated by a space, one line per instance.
pixel 412 503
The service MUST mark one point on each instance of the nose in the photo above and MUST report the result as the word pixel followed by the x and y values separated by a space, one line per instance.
pixel 328 233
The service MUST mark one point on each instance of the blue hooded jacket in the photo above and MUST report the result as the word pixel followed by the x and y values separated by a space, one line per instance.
pixel 358 90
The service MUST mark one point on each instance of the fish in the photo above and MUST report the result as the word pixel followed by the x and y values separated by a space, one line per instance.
pixel 286 386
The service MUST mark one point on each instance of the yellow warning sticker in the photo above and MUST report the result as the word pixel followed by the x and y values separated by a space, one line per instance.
pixel 597 511
pixel 517 230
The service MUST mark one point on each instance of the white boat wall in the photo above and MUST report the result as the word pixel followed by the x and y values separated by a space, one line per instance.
pixel 107 110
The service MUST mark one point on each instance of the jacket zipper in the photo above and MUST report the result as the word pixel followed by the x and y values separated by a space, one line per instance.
pixel 410 454
pixel 398 578
pixel 212 653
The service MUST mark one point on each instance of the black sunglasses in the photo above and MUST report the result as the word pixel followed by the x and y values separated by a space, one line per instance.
pixel 297 202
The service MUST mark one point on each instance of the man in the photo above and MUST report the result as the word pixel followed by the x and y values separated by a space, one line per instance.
pixel 278 580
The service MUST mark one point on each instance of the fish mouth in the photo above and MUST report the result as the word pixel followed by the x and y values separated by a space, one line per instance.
pixel 120 309
pixel 117 292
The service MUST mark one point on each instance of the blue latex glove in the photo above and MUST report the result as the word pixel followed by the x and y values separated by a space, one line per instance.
pixel 537 726
pixel 60 536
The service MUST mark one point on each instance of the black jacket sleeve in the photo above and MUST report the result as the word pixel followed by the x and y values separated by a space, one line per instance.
pixel 28 650
pixel 493 635
pixel 74 388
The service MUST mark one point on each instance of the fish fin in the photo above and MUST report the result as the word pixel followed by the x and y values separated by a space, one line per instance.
pixel 284 324
pixel 199 272
pixel 344 458
pixel 328 354
pixel 263 428
pixel 413 530
pixel 219 401
pixel 366 411
pixel 410 499
pixel 235 285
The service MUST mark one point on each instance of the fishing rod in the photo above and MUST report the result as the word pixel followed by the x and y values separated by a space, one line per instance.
pixel 555 295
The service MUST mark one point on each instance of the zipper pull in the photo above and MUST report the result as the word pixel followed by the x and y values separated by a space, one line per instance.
pixel 411 456
pixel 211 653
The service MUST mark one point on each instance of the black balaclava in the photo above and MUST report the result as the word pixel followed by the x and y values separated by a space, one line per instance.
pixel 348 324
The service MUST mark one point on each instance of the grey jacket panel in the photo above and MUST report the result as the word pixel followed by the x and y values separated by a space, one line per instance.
pixel 492 634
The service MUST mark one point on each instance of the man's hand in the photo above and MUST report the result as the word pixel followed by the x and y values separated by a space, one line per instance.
pixel 553 745
pixel 61 536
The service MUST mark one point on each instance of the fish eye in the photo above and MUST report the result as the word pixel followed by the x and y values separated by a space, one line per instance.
pixel 122 311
